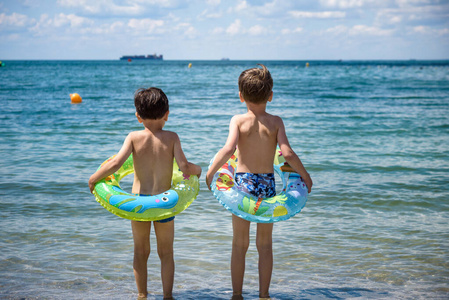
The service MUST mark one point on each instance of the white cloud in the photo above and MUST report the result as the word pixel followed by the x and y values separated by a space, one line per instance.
pixel 256 30
pixel 369 30
pixel 444 31
pixel 218 30
pixel 272 9
pixel 160 3
pixel 72 20
pixel 121 8
pixel 420 29
pixel 145 25
pixel 337 30
pixel 318 15
pixel 430 15
pixel 206 14
pixel 395 20
pixel 190 32
pixel 409 3
pixel 88 6
pixel 427 30
pixel 297 30
pixel 345 3
pixel 241 6
pixel 14 20
pixel 289 31
pixel 187 30
pixel 234 28
pixel 359 30
pixel 172 17
pixel 104 6
pixel 116 26
pixel 60 21
pixel 213 2
pixel 60 24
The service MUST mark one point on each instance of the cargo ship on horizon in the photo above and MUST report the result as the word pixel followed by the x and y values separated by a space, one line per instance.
pixel 142 57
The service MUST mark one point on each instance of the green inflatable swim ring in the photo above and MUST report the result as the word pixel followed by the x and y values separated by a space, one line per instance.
pixel 111 196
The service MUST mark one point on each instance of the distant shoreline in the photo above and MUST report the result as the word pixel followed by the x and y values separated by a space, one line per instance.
pixel 242 60
pixel 219 62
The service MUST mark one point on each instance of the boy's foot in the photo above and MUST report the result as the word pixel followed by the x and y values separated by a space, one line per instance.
pixel 237 297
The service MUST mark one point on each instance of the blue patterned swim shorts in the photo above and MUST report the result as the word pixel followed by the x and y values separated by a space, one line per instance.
pixel 259 185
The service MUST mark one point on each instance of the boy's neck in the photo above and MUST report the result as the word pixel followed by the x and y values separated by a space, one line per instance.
pixel 154 125
pixel 257 109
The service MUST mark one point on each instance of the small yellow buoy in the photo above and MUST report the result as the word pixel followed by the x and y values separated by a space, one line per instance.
pixel 76 98
pixel 307 65
pixel 190 65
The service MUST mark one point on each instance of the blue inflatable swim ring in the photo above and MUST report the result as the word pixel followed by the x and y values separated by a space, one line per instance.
pixel 290 201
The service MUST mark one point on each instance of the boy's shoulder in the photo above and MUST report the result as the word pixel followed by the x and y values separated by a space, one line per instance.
pixel 248 116
pixel 169 134
pixel 239 117
pixel 161 133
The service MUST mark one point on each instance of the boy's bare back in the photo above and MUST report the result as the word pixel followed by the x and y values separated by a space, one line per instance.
pixel 257 141
pixel 257 133
pixel 153 155
pixel 153 148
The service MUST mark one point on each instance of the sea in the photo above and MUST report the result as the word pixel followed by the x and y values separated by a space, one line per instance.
pixel 374 135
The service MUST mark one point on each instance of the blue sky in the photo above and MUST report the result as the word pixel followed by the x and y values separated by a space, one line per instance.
pixel 213 29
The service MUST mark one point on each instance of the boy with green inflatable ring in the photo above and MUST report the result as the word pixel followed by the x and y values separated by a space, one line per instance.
pixel 153 151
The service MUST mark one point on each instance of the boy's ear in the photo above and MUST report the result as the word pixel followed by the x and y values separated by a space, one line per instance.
pixel 166 115
pixel 241 97
pixel 139 119
pixel 271 97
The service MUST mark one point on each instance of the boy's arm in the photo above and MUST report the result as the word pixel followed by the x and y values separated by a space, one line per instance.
pixel 113 165
pixel 184 165
pixel 291 157
pixel 226 152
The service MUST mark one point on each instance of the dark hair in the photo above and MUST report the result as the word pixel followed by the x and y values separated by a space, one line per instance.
pixel 256 84
pixel 151 103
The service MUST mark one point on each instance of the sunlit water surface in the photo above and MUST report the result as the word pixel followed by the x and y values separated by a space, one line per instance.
pixel 373 135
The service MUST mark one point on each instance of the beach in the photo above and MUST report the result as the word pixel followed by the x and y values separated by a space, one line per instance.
pixel 374 135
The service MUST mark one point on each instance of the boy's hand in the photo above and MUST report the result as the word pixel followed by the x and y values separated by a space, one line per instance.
pixel 208 180
pixel 199 171
pixel 91 185
pixel 308 182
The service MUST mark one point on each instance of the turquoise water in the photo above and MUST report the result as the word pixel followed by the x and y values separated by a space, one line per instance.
pixel 373 135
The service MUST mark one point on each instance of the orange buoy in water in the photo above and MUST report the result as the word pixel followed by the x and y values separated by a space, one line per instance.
pixel 75 98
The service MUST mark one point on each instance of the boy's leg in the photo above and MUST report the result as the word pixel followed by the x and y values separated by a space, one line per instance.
pixel 141 236
pixel 240 244
pixel 165 233
pixel 264 247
